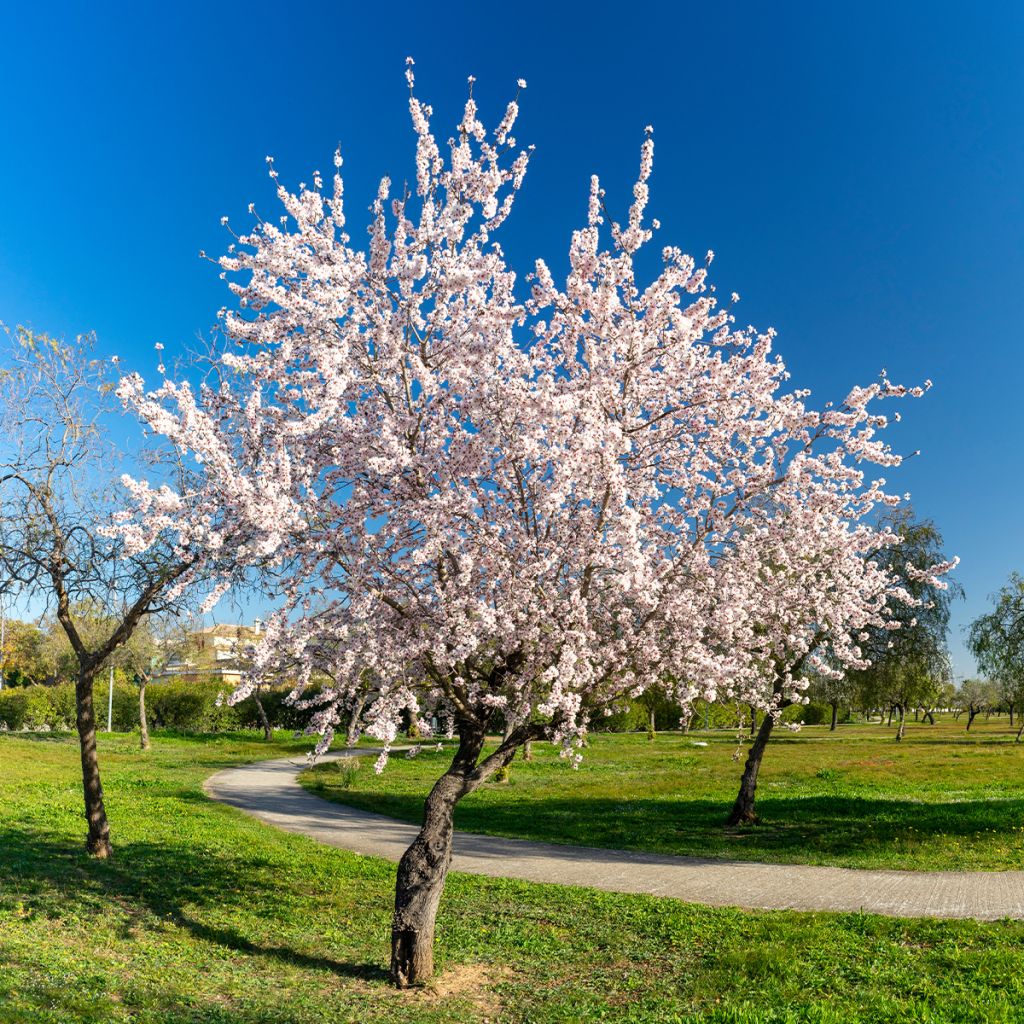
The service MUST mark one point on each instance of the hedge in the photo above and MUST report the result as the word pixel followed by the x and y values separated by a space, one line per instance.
pixel 183 706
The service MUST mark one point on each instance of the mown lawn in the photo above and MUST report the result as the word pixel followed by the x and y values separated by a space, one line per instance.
pixel 943 799
pixel 208 916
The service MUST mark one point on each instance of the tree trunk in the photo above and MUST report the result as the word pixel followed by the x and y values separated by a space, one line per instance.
pixel 143 725
pixel 743 809
pixel 835 717
pixel 970 718
pixel 354 718
pixel 889 723
pixel 929 714
pixel 902 722
pixel 424 866
pixel 98 839
pixel 268 733
pixel 651 731
pixel 1011 714
pixel 753 721
pixel 528 750
pixel 1021 729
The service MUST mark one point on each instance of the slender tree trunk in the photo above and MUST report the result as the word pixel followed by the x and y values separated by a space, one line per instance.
pixel 929 714
pixel 528 750
pixel 835 717
pixel 890 717
pixel 268 733
pixel 970 718
pixel 424 866
pixel 743 809
pixel 916 712
pixel 354 718
pixel 651 731
pixel 902 722
pixel 1021 729
pixel 753 720
pixel 98 839
pixel 1011 714
pixel 143 725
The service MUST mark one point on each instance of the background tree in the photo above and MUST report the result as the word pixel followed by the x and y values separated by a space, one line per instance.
pixel 23 657
pixel 996 639
pixel 909 655
pixel 58 484
pixel 975 696
pixel 476 511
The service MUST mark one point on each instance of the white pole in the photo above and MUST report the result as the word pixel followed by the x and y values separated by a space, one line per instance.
pixel 110 702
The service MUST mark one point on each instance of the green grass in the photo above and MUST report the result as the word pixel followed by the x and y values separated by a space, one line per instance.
pixel 943 799
pixel 205 916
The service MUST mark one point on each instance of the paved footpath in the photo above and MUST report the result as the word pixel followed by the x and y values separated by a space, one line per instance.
pixel 269 790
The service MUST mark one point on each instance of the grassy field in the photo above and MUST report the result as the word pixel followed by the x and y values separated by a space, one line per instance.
pixel 206 916
pixel 942 799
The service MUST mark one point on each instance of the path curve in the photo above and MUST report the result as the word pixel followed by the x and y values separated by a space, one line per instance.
pixel 269 790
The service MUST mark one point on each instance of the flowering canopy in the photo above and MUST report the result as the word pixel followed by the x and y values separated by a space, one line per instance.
pixel 480 506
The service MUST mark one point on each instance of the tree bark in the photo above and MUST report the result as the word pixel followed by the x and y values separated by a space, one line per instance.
pixel 835 717
pixel 424 866
pixel 651 731
pixel 743 809
pixel 753 720
pixel 98 840
pixel 1011 714
pixel 528 750
pixel 1021 729
pixel 889 723
pixel 143 725
pixel 902 722
pixel 268 733
pixel 352 732
pixel 970 718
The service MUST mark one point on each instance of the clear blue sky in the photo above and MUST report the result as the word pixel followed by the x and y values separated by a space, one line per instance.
pixel 858 169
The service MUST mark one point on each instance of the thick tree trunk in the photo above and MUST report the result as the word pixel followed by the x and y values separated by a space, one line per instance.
pixel 268 733
pixel 424 866
pixel 743 809
pixel 528 750
pixel 902 722
pixel 835 717
pixel 143 726
pixel 98 839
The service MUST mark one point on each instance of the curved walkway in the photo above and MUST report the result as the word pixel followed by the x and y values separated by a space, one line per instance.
pixel 269 790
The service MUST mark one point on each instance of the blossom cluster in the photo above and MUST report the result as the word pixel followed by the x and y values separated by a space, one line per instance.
pixel 477 506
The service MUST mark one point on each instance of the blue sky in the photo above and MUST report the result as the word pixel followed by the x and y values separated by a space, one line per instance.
pixel 858 170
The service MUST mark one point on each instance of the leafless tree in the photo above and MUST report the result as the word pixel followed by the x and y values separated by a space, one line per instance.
pixel 59 483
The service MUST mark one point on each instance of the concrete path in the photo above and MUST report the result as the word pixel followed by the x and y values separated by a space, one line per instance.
pixel 269 791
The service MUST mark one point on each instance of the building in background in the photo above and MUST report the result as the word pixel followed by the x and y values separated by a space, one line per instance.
pixel 216 652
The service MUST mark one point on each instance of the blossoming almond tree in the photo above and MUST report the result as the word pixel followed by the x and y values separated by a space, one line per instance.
pixel 486 512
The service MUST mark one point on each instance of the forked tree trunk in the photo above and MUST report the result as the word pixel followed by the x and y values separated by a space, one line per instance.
pixel 929 714
pixel 902 722
pixel 98 840
pixel 143 726
pixel 970 718
pixel 835 717
pixel 424 866
pixel 743 809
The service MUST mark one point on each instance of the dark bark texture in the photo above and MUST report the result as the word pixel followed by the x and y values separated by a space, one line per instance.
pixel 743 809
pixel 98 839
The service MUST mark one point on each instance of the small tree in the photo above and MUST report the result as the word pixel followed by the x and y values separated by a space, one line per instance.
pixel 996 639
pixel 57 486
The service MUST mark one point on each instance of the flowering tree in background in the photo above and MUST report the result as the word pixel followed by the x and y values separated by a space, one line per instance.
pixel 492 514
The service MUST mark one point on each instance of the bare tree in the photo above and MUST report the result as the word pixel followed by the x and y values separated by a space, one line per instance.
pixel 58 491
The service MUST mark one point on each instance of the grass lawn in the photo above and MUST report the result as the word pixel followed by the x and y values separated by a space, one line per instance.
pixel 942 799
pixel 206 916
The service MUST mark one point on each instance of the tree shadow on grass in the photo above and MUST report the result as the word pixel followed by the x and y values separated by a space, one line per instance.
pixel 807 829
pixel 152 884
